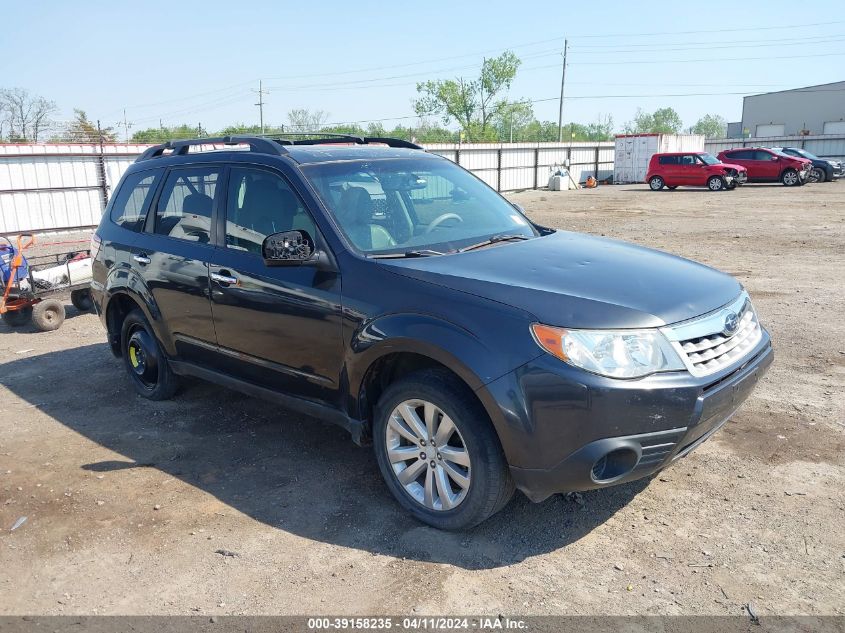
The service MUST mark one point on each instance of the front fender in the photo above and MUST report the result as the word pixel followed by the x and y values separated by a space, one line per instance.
pixel 477 362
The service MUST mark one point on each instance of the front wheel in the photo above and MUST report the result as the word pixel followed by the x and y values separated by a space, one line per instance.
pixel 656 183
pixel 48 315
pixel 438 452
pixel 819 174
pixel 715 183
pixel 144 359
pixel 790 178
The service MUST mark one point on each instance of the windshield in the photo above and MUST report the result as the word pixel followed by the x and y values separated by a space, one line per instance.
pixel 413 204
pixel 709 159
pixel 805 154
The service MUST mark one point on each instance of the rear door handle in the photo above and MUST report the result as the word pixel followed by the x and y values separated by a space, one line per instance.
pixel 224 279
pixel 141 259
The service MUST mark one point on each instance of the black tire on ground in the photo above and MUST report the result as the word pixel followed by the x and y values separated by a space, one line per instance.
pixel 17 318
pixel 716 183
pixel 732 186
pixel 48 315
pixel 144 359
pixel 819 174
pixel 81 300
pixel 790 178
pixel 490 487
pixel 656 183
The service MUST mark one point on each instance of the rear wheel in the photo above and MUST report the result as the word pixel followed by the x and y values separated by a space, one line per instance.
pixel 48 315
pixel 438 452
pixel 144 359
pixel 81 300
pixel 656 183
pixel 715 183
pixel 17 318
pixel 790 178
pixel 819 174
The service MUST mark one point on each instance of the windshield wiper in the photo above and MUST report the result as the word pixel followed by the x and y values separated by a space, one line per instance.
pixel 493 240
pixel 417 253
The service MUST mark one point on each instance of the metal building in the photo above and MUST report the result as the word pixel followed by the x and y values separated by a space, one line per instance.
pixel 811 110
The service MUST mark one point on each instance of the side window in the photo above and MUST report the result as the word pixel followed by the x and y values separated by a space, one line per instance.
pixel 184 207
pixel 668 160
pixel 129 207
pixel 259 203
pixel 741 155
pixel 688 159
pixel 761 155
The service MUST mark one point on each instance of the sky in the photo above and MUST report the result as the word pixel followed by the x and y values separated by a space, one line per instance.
pixel 200 62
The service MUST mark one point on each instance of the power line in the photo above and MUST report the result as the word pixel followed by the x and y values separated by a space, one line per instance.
pixel 707 48
pixel 739 30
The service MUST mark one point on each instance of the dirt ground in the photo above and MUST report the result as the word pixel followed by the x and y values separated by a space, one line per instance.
pixel 128 503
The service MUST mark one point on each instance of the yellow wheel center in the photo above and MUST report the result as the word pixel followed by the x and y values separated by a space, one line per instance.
pixel 133 357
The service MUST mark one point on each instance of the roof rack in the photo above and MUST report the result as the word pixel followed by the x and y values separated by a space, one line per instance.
pixel 273 146
pixel 178 148
pixel 328 138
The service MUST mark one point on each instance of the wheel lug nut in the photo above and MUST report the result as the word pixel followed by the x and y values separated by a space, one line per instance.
pixel 431 463
pixel 422 442
pixel 423 456
pixel 439 456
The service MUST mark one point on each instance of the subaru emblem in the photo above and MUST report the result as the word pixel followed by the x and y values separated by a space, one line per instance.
pixel 731 324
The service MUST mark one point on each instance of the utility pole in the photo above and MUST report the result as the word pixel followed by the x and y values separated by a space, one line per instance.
pixel 562 84
pixel 260 105
pixel 126 125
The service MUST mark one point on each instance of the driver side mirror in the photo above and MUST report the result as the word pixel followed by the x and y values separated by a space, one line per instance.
pixel 293 248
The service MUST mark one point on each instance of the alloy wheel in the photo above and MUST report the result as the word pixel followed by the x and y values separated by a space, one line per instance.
pixel 428 455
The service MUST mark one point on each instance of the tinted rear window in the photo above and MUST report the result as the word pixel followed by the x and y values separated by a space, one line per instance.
pixel 129 206
pixel 668 160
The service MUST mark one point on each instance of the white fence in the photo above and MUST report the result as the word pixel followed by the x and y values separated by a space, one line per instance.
pixel 54 187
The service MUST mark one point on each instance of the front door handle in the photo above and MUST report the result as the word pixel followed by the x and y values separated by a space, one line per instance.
pixel 141 259
pixel 224 279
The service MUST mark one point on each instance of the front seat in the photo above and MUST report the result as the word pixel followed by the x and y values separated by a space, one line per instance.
pixel 355 214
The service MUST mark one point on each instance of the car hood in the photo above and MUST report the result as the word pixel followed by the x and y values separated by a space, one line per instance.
pixel 734 166
pixel 574 280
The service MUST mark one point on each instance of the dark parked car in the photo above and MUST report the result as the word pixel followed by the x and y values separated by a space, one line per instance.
pixel 765 165
pixel 695 169
pixel 822 170
pixel 386 289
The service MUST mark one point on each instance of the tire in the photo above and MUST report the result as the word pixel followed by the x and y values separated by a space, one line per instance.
pixel 732 186
pixel 145 361
pixel 819 174
pixel 656 183
pixel 48 315
pixel 81 300
pixel 473 443
pixel 790 178
pixel 17 318
pixel 716 183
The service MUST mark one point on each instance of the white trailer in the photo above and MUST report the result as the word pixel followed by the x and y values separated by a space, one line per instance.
pixel 634 151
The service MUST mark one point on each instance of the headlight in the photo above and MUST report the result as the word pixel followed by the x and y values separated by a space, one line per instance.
pixel 612 353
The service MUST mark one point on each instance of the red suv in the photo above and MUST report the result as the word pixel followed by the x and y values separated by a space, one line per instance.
pixel 766 165
pixel 697 169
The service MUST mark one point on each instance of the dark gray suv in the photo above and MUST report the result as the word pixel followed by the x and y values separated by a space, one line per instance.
pixel 369 283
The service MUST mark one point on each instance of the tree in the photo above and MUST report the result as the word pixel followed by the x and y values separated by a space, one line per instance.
pixel 167 133
pixel 711 125
pixel 25 115
pixel 472 103
pixel 661 121
pixel 81 130
pixel 305 120
pixel 512 119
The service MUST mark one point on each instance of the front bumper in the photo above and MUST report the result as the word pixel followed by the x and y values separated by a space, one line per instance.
pixel 561 422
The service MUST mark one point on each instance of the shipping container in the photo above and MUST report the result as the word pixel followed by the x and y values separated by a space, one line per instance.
pixel 634 151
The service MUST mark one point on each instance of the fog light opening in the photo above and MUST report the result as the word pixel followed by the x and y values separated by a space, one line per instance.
pixel 614 465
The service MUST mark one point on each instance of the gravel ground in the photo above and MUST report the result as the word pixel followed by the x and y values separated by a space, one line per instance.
pixel 134 507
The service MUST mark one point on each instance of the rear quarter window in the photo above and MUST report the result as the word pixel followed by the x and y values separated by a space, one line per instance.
pixel 668 160
pixel 129 206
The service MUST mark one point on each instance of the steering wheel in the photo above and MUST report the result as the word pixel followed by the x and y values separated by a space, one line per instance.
pixel 441 219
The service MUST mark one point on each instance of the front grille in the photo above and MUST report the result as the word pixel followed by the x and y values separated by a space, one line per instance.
pixel 706 345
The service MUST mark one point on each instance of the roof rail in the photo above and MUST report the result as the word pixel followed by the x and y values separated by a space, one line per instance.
pixel 331 137
pixel 256 144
